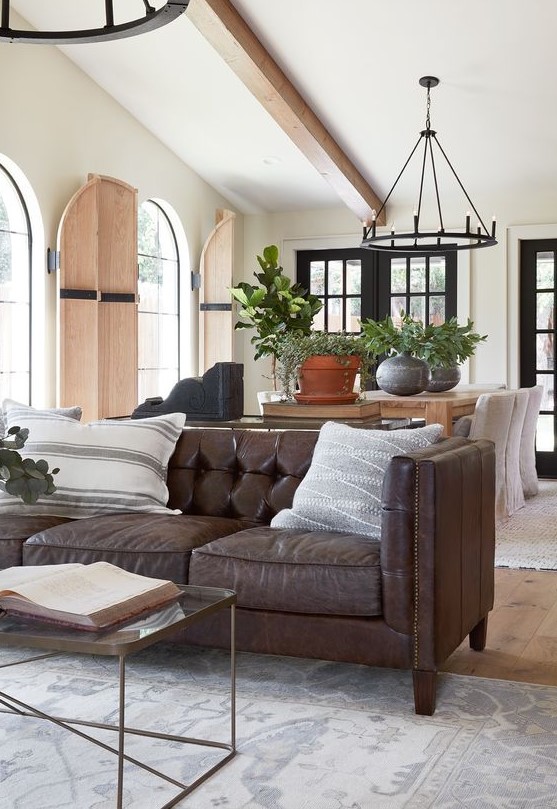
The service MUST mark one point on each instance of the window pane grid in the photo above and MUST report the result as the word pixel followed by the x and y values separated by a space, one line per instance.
pixel 15 293
pixel 418 287
pixel 337 283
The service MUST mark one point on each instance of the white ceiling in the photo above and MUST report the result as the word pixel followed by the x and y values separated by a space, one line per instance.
pixel 357 63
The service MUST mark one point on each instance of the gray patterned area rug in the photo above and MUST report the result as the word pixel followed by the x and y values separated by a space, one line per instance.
pixel 528 539
pixel 311 735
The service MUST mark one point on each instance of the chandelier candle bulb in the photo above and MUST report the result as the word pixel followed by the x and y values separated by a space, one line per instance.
pixel 493 226
pixel 373 223
pixel 468 222
pixel 415 221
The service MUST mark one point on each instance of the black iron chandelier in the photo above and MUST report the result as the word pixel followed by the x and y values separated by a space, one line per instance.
pixel 428 241
pixel 153 18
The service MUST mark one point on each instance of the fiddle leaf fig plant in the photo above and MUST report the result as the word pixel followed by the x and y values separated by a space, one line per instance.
pixel 23 477
pixel 273 308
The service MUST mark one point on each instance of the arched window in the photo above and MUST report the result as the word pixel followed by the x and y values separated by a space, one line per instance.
pixel 15 292
pixel 159 296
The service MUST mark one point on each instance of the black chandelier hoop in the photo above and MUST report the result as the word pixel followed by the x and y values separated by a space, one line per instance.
pixel 152 19
pixel 428 241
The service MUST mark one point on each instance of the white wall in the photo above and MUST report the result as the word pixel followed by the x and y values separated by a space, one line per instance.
pixel 57 127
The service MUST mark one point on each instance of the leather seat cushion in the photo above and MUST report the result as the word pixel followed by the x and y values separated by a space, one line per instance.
pixel 15 530
pixel 317 572
pixel 156 545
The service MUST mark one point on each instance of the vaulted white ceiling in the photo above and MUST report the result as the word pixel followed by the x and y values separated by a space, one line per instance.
pixel 357 64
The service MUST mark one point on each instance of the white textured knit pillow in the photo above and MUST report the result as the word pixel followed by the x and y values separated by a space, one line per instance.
pixel 342 488
pixel 74 412
pixel 106 466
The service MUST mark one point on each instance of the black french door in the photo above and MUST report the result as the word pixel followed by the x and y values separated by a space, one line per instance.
pixel 538 290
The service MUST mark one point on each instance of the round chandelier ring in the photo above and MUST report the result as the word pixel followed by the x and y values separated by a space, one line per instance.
pixel 443 242
pixel 153 19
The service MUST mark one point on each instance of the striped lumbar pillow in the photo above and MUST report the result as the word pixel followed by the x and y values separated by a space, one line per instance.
pixel 106 466
pixel 342 488
pixel 72 412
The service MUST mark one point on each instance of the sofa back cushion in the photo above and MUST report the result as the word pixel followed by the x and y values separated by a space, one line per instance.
pixel 250 474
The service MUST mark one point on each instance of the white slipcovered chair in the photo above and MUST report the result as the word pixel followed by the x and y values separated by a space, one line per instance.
pixel 492 420
pixel 513 479
pixel 528 472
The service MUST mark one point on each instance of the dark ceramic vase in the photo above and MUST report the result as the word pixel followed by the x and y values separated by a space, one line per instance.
pixel 403 375
pixel 443 379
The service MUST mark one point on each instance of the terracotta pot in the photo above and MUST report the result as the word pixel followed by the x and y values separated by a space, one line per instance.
pixel 403 375
pixel 328 379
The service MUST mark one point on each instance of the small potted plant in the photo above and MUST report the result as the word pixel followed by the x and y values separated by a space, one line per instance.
pixel 325 365
pixel 403 372
pixel 23 477
pixel 274 308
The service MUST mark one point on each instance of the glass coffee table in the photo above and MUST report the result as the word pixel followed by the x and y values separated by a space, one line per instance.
pixel 194 604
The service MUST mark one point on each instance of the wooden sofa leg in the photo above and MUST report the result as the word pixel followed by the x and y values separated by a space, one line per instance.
pixel 425 689
pixel 478 636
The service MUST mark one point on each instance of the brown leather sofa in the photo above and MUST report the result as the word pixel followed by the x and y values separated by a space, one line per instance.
pixel 406 601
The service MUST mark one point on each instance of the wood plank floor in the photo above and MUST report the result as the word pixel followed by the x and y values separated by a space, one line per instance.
pixel 522 631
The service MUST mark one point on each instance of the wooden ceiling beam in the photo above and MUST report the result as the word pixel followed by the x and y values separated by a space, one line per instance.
pixel 233 39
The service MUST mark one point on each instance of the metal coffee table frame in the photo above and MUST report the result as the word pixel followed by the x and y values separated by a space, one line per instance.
pixel 194 604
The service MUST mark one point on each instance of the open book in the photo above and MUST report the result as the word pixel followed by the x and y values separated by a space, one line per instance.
pixel 91 597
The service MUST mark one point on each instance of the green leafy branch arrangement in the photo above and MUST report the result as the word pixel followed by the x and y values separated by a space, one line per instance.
pixel 442 346
pixel 449 344
pixel 23 477
pixel 383 337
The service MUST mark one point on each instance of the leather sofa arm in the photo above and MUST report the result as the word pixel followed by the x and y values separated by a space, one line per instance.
pixel 438 545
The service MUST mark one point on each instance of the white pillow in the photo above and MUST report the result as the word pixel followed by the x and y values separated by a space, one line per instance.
pixel 342 488
pixel 74 412
pixel 106 467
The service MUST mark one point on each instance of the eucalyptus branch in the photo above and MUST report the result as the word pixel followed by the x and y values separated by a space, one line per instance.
pixel 23 477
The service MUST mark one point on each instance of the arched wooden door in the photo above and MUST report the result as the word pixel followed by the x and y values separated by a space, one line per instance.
pixel 216 326
pixel 97 299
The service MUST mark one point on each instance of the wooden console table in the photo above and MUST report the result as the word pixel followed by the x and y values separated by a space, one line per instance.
pixel 433 408
pixel 297 423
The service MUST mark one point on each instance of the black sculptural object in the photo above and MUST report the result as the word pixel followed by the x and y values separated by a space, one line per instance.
pixel 217 395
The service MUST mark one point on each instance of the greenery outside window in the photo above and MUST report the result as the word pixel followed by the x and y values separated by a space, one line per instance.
pixel 159 295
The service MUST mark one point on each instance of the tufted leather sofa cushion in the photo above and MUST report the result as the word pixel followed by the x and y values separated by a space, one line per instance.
pixel 241 474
